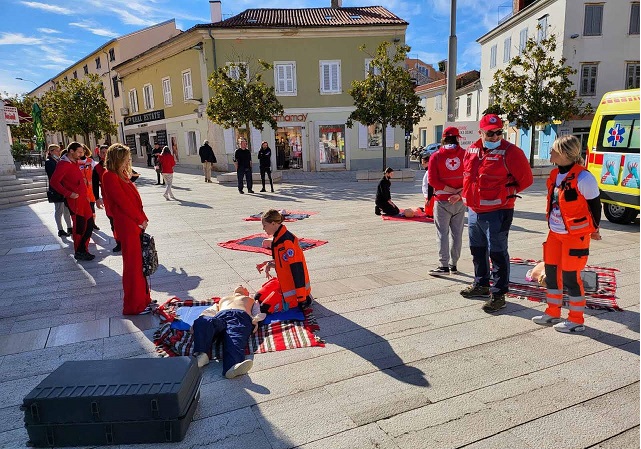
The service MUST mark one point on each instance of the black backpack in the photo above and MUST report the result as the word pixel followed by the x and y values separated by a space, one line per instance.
pixel 149 254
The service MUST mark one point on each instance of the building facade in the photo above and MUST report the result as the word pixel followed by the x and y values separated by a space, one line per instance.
pixel 598 39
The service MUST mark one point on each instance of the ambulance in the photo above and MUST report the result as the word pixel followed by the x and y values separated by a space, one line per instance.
pixel 613 154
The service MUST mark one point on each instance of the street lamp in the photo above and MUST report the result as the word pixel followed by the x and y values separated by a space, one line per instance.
pixel 22 79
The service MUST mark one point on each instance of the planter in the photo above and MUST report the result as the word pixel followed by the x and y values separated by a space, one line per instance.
pixel 18 165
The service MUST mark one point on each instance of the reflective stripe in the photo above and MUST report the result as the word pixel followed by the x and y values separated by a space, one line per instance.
pixel 473 150
pixel 576 308
pixel 581 226
pixel 443 192
pixel 289 293
pixel 555 301
pixel 490 202
pixel 554 292
pixel 501 152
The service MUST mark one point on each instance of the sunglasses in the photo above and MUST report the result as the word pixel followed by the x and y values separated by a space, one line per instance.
pixel 493 133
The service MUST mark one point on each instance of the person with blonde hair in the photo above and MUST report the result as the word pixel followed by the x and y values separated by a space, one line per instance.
pixel 573 215
pixel 124 203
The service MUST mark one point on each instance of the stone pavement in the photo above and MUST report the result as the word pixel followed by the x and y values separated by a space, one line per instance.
pixel 408 363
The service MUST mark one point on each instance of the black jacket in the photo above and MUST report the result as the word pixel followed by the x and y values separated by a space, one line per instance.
pixel 244 159
pixel 265 157
pixel 206 154
pixel 52 195
pixel 383 194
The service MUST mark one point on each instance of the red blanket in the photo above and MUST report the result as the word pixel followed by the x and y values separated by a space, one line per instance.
pixel 253 243
pixel 418 216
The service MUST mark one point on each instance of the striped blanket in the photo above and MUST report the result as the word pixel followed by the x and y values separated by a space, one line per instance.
pixel 276 336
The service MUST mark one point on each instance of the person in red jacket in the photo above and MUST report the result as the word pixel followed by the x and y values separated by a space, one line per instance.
pixel 69 181
pixel 96 180
pixel 573 213
pixel 445 175
pixel 288 260
pixel 494 171
pixel 123 202
pixel 167 163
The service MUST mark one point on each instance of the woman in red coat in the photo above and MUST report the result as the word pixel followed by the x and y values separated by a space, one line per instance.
pixel 167 162
pixel 130 221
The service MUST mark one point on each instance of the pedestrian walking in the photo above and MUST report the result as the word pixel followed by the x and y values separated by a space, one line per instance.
pixel 494 172
pixel 167 163
pixel 156 152
pixel 446 177
pixel 207 158
pixel 573 213
pixel 243 163
pixel 60 207
pixel 265 163
pixel 384 203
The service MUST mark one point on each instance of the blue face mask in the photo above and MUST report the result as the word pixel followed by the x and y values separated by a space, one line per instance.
pixel 492 145
pixel 449 146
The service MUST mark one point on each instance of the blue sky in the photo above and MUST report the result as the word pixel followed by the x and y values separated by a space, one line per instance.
pixel 40 38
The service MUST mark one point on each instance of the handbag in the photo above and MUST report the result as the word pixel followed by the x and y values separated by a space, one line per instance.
pixel 149 254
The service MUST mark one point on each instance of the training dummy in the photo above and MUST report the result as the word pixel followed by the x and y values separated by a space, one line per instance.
pixel 232 320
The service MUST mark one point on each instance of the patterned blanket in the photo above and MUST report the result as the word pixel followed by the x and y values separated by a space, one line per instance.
pixel 290 215
pixel 276 336
pixel 254 243
pixel 601 295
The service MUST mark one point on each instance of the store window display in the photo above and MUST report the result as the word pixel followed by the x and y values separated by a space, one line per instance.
pixel 289 147
pixel 331 145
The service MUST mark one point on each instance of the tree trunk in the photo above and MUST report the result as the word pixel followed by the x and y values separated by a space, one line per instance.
pixel 86 136
pixel 249 137
pixel 533 129
pixel 384 124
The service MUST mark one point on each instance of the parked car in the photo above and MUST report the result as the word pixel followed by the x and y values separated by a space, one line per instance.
pixel 431 149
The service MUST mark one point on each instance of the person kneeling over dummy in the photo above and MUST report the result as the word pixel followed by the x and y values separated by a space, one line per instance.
pixel 232 319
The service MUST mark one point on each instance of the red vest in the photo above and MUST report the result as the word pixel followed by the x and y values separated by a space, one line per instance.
pixel 573 206
pixel 487 183
pixel 448 165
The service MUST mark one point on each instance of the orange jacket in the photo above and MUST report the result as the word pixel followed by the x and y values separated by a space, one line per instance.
pixel 573 206
pixel 291 268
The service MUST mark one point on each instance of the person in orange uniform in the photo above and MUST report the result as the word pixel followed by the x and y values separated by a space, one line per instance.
pixel 573 214
pixel 124 204
pixel 68 180
pixel 86 164
pixel 288 261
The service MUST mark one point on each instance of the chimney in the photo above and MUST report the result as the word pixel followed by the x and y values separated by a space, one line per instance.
pixel 216 11
pixel 337 3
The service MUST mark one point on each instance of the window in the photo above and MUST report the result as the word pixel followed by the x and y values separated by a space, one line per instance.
pixel 98 63
pixel 330 77
pixel 234 69
pixel 75 74
pixel 331 144
pixel 192 145
pixel 86 69
pixel 374 70
pixel 468 105
pixel 507 47
pixel 438 102
pixel 588 79
pixel 438 133
pixel 634 19
pixel 188 92
pixel 632 75
pixel 456 107
pixel 112 54
pixel 493 56
pixel 593 20
pixel 285 78
pixel 375 135
pixel 148 96
pixel 422 141
pixel 133 101
pixel 166 91
pixel 491 99
pixel 114 81
pixel 619 133
pixel 522 40
pixel 542 28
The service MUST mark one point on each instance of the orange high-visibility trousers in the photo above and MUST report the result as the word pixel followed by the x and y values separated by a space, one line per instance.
pixel 565 256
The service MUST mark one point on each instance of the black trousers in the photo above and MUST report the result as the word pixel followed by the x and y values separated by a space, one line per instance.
pixel 388 209
pixel 149 160
pixel 267 170
pixel 247 174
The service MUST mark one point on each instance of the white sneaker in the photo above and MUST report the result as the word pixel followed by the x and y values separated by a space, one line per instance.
pixel 202 359
pixel 568 327
pixel 239 369
pixel 166 196
pixel 546 320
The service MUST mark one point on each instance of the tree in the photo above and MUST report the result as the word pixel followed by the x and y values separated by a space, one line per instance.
pixel 78 106
pixel 386 95
pixel 242 99
pixel 536 88
pixel 24 104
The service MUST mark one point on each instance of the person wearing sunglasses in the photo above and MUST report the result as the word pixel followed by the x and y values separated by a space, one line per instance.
pixel 494 172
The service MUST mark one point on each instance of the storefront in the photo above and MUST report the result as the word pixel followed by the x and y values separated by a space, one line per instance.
pixel 141 133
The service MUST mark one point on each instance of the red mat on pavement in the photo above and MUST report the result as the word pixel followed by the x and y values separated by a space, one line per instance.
pixel 276 336
pixel 290 215
pixel 418 216
pixel 254 242
pixel 602 295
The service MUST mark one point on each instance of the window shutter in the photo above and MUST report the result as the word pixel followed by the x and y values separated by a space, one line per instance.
pixel 288 78
pixel 335 74
pixel 362 136
pixel 598 17
pixel 256 139
pixel 389 137
pixel 634 19
pixel 326 81
pixel 228 137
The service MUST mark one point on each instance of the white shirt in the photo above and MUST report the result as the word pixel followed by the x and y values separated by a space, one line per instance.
pixel 587 186
pixel 425 185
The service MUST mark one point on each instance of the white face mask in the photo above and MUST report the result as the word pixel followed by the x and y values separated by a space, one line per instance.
pixel 449 146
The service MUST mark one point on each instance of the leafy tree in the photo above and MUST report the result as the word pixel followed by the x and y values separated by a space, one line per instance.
pixel 243 99
pixel 386 95
pixel 78 107
pixel 23 104
pixel 536 88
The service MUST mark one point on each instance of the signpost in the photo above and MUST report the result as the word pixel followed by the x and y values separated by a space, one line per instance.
pixel 11 115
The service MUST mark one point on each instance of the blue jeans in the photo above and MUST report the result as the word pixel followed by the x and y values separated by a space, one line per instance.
pixel 488 240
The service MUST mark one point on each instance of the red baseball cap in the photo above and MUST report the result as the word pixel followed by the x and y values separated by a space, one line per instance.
pixel 451 131
pixel 490 122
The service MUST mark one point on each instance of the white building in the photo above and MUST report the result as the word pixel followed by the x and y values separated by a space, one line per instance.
pixel 598 39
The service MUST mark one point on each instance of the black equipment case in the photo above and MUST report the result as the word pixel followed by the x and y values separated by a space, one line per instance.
pixel 99 402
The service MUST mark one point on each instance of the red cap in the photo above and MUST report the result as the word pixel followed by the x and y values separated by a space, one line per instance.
pixel 490 122
pixel 451 131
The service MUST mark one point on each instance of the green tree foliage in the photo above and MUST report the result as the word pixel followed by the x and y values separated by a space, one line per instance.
pixel 386 95
pixel 536 88
pixel 78 107
pixel 23 104
pixel 243 101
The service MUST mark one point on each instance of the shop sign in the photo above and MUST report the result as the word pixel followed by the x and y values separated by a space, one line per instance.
pixel 469 132
pixel 130 141
pixel 290 118
pixel 146 117
pixel 11 115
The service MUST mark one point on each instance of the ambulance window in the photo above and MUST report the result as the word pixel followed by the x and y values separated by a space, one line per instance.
pixel 619 133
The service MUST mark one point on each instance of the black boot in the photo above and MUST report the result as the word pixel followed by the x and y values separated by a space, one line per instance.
pixel 117 248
